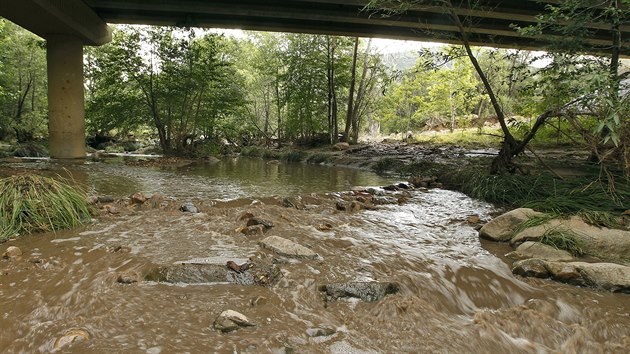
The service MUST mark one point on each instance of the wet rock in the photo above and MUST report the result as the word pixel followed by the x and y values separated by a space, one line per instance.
pixel 103 199
pixel 237 268
pixel 422 181
pixel 538 250
pixel 138 198
pixel 391 187
pixel 320 332
pixel 531 268
pixel 352 206
pixel 502 228
pixel 255 273
pixel 607 244
pixel 473 219
pixel 156 201
pixel 246 215
pixel 119 249
pixel 188 207
pixel 189 273
pixel 257 221
pixel 290 202
pixel 324 227
pixel 252 230
pixel 128 278
pixel 383 200
pixel 230 320
pixel 70 337
pixel 111 209
pixel 366 291
pixel 12 252
pixel 607 276
pixel 287 248
pixel 404 185
pixel 341 146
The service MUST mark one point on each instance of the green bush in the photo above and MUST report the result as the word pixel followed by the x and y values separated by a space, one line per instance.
pixel 252 151
pixel 294 155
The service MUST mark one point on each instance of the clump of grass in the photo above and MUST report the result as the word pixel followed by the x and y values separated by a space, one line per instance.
pixel 387 164
pixel 318 158
pixel 294 155
pixel 31 203
pixel 600 218
pixel 252 151
pixel 538 220
pixel 564 240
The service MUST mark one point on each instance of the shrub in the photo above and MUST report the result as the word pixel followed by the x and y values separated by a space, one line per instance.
pixel 294 155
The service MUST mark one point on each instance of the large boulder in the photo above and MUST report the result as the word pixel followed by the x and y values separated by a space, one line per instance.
pixel 539 250
pixel 608 276
pixel 502 228
pixel 607 244
pixel 287 248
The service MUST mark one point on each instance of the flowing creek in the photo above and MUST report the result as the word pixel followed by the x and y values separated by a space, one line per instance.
pixel 456 293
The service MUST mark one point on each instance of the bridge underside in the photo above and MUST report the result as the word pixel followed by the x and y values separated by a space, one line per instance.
pixel 490 22
pixel 69 24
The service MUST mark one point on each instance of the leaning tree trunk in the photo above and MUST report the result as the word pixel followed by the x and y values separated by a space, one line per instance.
pixel 503 161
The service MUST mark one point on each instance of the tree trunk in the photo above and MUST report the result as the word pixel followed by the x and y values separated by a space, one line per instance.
pixel 360 96
pixel 353 78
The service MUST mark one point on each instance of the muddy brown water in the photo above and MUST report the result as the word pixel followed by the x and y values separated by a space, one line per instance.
pixel 457 294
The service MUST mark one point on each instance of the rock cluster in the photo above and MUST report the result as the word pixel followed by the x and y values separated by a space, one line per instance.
pixel 608 250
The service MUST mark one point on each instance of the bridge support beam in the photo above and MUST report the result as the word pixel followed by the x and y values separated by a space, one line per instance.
pixel 66 124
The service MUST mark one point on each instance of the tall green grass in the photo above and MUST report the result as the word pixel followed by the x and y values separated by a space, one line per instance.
pixel 31 203
pixel 542 192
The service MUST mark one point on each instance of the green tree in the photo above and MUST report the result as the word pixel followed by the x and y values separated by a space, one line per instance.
pixel 23 83
pixel 188 86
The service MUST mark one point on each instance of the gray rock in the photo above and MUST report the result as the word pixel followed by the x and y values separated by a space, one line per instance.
pixel 189 207
pixel 12 252
pixel 128 278
pixel 608 276
pixel 105 199
pixel 296 203
pixel 199 272
pixel 287 248
pixel 366 291
pixel 320 332
pixel 502 228
pixel 188 273
pixel 531 268
pixel 538 250
pixel 607 244
pixel 230 320
pixel 257 221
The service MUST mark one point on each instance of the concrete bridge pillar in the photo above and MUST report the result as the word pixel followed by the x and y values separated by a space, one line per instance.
pixel 66 123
